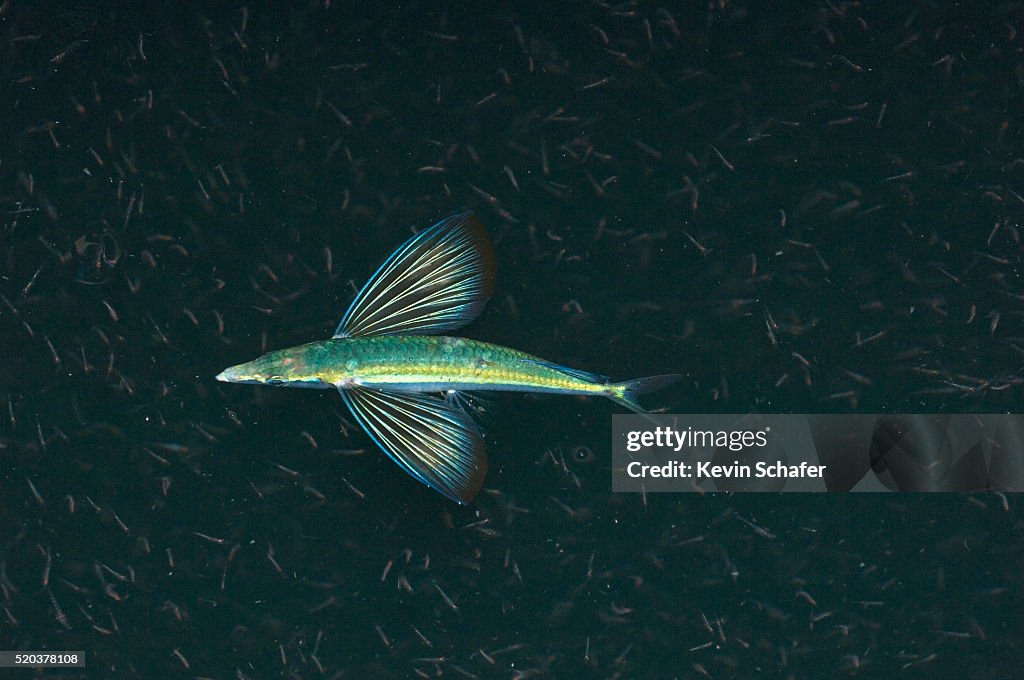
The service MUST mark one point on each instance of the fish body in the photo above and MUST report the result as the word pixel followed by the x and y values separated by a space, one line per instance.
pixel 416 363
pixel 403 385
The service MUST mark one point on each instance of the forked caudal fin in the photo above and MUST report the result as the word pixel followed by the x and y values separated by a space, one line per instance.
pixel 626 393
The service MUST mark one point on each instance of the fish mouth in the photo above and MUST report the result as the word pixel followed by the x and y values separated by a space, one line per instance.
pixel 245 374
pixel 234 375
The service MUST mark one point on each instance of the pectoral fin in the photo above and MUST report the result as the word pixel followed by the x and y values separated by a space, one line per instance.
pixel 435 443
pixel 436 281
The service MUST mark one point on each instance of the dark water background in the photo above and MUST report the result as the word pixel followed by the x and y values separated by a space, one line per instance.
pixel 803 207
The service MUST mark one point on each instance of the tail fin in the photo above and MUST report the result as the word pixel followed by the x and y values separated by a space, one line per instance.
pixel 626 393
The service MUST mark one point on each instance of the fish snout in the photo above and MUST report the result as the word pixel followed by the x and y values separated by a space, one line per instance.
pixel 232 374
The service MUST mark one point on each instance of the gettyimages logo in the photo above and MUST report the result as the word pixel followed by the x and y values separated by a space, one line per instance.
pixel 831 452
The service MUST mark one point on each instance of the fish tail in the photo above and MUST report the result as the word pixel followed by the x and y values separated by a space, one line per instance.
pixel 627 393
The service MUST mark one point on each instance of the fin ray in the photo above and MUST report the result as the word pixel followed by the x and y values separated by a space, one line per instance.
pixel 595 378
pixel 475 405
pixel 438 280
pixel 628 392
pixel 433 442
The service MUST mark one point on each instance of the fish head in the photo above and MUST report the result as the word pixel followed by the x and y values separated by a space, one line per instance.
pixel 290 367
